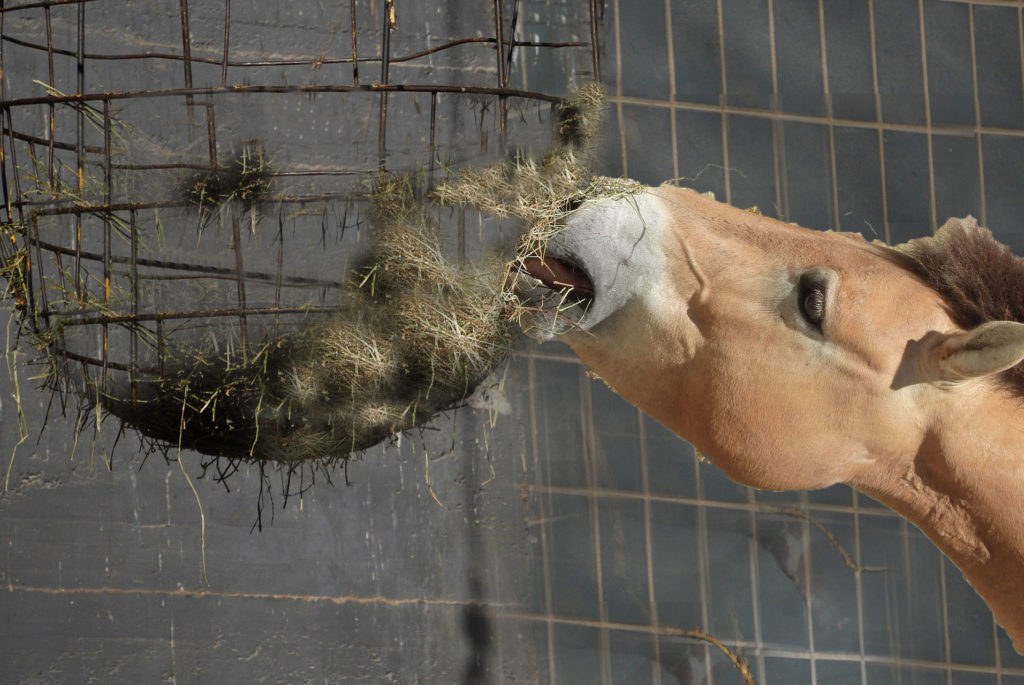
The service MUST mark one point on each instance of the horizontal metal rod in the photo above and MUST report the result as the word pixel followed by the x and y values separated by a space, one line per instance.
pixel 72 320
pixel 184 266
pixel 41 208
pixel 278 89
pixel 44 3
pixel 317 61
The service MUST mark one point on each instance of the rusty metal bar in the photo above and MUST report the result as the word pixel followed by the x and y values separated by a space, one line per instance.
pixel 595 36
pixel 298 62
pixel 51 119
pixel 385 65
pixel 236 233
pixel 117 366
pixel 134 281
pixel 107 272
pixel 204 270
pixel 355 46
pixel 186 53
pixel 433 135
pixel 511 42
pixel 80 255
pixel 499 36
pixel 44 4
pixel 280 267
pixel 74 320
pixel 225 63
pixel 211 133
pixel 79 148
pixel 161 345
pixel 304 88
pixel 8 206
pixel 36 140
pixel 499 33
pixel 42 209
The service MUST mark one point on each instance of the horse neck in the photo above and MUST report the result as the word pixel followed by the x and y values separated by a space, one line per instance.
pixel 965 489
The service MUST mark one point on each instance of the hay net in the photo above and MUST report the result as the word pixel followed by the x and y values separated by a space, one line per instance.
pixel 238 254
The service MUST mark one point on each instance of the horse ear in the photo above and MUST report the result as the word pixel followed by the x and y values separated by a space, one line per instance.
pixel 988 349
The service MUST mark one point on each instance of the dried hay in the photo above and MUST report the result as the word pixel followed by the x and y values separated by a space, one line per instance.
pixel 542 193
pixel 416 334
pixel 244 177
pixel 415 338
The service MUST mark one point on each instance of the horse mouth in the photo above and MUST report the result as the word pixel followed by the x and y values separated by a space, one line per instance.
pixel 556 291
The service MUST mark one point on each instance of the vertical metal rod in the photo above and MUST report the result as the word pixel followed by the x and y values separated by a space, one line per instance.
pixel 227 43
pixel 211 132
pixel 80 151
pixel 595 35
pixel 433 137
pixel 385 65
pixel 499 35
pixel 280 268
pixel 160 345
pixel 108 196
pixel 186 53
pixel 355 46
pixel 8 214
pixel 134 339
pixel 50 159
pixel 511 42
pixel 236 232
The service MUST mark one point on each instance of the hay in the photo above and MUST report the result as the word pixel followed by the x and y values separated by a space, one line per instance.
pixel 417 334
pixel 541 193
pixel 415 338
pixel 245 176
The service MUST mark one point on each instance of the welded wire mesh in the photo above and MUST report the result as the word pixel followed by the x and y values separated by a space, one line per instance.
pixel 609 538
pixel 196 180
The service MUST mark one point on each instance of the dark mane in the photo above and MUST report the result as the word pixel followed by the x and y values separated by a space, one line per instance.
pixel 979 279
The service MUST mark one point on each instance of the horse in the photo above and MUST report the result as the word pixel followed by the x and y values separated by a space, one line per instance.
pixel 798 359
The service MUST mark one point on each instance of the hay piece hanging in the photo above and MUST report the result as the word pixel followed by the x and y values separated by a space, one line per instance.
pixel 243 177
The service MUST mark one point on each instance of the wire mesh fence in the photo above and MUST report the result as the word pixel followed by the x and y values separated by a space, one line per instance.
pixel 199 176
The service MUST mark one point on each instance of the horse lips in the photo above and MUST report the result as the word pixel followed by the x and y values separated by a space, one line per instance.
pixel 557 274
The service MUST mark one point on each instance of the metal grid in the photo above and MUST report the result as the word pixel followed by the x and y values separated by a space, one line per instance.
pixel 878 117
pixel 630 539
pixel 104 132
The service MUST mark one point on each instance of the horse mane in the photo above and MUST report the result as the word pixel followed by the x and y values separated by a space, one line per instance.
pixel 978 278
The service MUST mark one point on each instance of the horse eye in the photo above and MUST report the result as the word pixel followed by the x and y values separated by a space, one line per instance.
pixel 812 302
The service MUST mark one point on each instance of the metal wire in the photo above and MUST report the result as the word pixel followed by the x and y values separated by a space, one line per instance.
pixel 81 241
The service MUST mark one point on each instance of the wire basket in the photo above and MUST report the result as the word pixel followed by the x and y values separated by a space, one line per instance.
pixel 186 192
